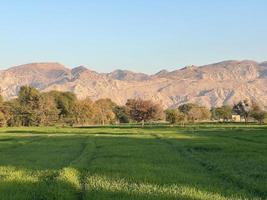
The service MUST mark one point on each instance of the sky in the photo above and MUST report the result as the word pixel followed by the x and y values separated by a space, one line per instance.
pixel 138 35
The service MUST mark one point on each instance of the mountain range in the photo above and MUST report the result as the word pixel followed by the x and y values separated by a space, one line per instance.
pixel 210 85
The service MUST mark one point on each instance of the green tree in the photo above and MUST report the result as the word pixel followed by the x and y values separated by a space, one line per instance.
pixel 48 113
pixel 28 107
pixel 13 113
pixel 259 116
pixel 174 116
pixel 122 114
pixel 29 96
pixel 65 102
pixel 223 112
pixel 257 113
pixel 2 119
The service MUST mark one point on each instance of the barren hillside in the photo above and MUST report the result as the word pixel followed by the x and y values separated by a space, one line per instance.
pixel 211 85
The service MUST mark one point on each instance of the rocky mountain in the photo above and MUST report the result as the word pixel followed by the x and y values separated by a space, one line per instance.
pixel 210 85
pixel 127 75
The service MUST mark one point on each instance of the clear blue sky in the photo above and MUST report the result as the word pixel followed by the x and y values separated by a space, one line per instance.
pixel 139 35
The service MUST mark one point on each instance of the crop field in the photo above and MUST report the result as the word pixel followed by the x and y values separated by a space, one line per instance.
pixel 194 162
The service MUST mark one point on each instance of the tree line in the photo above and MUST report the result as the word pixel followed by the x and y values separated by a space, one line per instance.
pixel 33 108
pixel 194 112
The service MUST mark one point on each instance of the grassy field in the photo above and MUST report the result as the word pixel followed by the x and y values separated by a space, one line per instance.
pixel 201 162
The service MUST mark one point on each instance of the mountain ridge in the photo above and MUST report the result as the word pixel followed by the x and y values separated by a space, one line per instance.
pixel 214 84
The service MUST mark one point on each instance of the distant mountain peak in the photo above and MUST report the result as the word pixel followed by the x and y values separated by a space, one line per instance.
pixel 161 73
pixel 127 75
pixel 78 70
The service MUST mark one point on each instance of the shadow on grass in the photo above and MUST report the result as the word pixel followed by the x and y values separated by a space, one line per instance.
pixel 37 190
pixel 63 190
pixel 152 160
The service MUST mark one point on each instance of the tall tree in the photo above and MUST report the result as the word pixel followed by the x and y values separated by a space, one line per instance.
pixel 48 112
pixel 104 111
pixel 29 100
pixel 65 102
pixel 242 108
pixel 29 96
pixel 144 110
pixel 84 111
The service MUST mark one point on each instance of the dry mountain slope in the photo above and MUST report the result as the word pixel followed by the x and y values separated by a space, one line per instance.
pixel 211 85
pixel 127 75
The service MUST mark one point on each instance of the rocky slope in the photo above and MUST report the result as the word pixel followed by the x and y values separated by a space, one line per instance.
pixel 210 85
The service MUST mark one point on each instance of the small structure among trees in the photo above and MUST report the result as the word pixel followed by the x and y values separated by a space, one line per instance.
pixel 242 108
pixel 247 110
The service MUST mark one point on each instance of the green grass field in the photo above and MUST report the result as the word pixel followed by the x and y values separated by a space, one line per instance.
pixel 196 162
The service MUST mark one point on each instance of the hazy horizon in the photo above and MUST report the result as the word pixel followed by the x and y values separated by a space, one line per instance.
pixel 141 36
